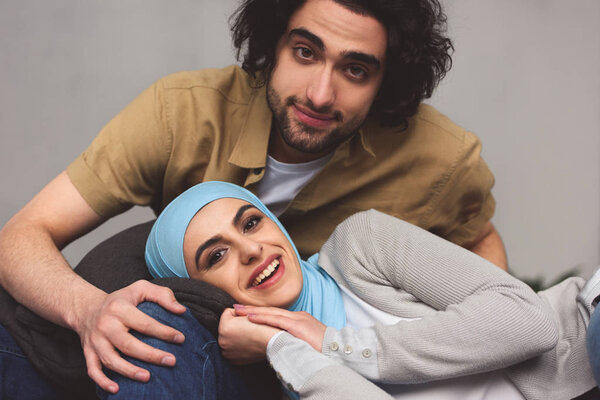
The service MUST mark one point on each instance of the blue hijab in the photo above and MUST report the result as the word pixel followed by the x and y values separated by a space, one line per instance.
pixel 320 295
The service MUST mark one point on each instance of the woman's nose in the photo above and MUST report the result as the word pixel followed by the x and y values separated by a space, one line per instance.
pixel 250 250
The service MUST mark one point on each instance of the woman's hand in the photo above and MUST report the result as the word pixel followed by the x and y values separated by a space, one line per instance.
pixel 241 341
pixel 299 323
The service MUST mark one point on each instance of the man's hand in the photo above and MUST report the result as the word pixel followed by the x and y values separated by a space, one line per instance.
pixel 35 273
pixel 106 330
pixel 241 341
pixel 299 323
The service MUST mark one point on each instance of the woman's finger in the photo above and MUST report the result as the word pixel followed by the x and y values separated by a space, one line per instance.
pixel 244 310
pixel 303 326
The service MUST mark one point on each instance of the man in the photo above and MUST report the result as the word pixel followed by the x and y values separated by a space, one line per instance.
pixel 324 120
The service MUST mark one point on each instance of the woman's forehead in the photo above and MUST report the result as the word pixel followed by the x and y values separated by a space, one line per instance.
pixel 220 209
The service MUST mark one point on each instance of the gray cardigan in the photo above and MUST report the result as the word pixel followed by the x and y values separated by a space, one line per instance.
pixel 474 318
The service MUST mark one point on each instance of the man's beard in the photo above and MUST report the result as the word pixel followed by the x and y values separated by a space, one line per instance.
pixel 304 138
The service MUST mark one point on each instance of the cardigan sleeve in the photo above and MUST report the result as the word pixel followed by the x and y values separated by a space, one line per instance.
pixel 470 316
pixel 302 369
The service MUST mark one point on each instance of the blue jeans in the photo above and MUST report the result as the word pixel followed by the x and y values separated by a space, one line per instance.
pixel 593 343
pixel 200 371
pixel 18 379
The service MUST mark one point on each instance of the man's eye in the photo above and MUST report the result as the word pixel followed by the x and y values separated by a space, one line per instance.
pixel 303 52
pixel 356 72
pixel 215 257
pixel 251 223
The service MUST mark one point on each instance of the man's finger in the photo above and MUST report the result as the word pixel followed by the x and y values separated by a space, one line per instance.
pixel 143 323
pixel 112 360
pixel 94 368
pixel 133 347
pixel 146 291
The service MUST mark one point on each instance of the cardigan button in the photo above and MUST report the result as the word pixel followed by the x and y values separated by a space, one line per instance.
pixel 367 353
pixel 334 346
pixel 348 349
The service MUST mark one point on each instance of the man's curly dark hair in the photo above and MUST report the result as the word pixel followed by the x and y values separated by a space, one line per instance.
pixel 417 58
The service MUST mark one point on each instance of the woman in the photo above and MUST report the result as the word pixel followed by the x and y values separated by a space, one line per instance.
pixel 387 302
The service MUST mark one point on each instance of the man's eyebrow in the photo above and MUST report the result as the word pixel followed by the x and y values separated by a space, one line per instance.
pixel 205 245
pixel 308 35
pixel 364 57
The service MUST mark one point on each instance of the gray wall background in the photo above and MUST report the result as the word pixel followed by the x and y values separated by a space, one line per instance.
pixel 525 79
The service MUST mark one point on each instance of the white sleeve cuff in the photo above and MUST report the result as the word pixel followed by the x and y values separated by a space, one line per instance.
pixel 294 360
pixel 356 349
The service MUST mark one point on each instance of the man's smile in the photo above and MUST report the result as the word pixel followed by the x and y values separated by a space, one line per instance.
pixel 312 118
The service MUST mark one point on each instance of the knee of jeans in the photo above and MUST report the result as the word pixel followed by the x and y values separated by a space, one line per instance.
pixel 185 323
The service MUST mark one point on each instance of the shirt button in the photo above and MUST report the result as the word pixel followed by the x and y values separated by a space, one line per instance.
pixel 257 171
pixel 366 353
pixel 348 349
pixel 334 346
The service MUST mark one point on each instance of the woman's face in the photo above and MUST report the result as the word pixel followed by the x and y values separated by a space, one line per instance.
pixel 235 247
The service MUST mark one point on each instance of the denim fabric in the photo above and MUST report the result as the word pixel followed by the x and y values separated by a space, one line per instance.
pixel 18 379
pixel 593 343
pixel 200 371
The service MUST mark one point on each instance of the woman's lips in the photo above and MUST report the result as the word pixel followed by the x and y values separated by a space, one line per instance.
pixel 313 119
pixel 272 279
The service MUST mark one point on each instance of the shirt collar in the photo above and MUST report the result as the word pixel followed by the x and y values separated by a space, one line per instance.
pixel 250 150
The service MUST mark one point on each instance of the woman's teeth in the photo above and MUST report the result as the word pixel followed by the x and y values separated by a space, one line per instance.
pixel 266 273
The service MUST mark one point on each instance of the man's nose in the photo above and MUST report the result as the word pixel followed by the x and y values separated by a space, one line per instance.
pixel 321 91
pixel 250 250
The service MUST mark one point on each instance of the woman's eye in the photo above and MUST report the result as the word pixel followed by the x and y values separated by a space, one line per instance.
pixel 215 257
pixel 303 52
pixel 251 223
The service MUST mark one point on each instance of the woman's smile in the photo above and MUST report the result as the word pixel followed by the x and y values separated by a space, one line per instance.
pixel 266 276
pixel 232 245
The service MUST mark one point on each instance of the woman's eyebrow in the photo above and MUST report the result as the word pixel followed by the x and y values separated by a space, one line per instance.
pixel 240 212
pixel 216 238
pixel 204 246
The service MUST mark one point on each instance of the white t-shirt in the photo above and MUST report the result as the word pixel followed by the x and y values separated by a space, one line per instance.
pixel 282 181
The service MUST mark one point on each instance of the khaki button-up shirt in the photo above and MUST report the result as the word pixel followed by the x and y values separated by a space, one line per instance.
pixel 214 124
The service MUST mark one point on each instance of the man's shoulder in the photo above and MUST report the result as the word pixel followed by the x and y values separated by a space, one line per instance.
pixel 231 82
pixel 428 128
pixel 429 119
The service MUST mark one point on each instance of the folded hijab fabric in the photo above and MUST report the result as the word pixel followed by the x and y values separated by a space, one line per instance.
pixel 320 295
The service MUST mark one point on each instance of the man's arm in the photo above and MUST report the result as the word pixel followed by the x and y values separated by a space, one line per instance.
pixel 35 273
pixel 489 246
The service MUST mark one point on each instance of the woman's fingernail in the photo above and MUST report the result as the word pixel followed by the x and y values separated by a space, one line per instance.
pixel 238 306
pixel 251 315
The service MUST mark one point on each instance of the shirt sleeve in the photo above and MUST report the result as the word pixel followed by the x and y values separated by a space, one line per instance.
pixel 463 201
pixel 125 163
pixel 472 316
